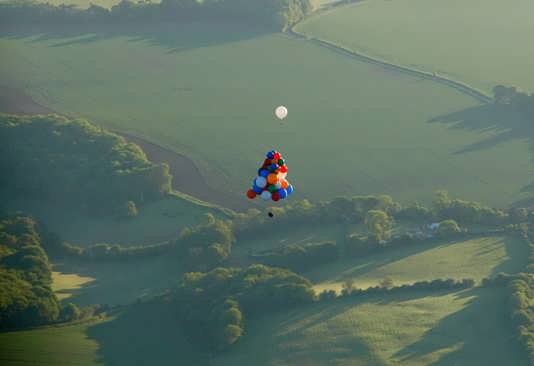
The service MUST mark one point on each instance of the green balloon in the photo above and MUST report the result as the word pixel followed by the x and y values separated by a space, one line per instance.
pixel 281 162
pixel 272 188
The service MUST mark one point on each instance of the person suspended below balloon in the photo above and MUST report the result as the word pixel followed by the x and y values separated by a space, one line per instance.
pixel 271 183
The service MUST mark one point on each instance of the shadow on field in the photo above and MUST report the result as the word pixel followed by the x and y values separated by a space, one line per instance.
pixel 506 124
pixel 293 338
pixel 479 334
pixel 144 334
pixel 121 283
pixel 172 36
pixel 354 267
pixel 279 340
pixel 518 254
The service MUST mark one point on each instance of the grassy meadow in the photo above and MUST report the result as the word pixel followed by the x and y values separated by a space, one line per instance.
pixel 65 284
pixel 474 258
pixel 115 283
pixel 157 222
pixel 414 329
pixel 461 328
pixel 49 346
pixel 208 91
pixel 480 42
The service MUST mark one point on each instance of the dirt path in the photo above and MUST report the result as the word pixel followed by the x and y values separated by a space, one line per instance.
pixel 186 175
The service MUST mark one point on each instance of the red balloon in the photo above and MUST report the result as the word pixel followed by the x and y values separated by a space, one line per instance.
pixel 275 196
pixel 283 169
pixel 276 156
pixel 251 194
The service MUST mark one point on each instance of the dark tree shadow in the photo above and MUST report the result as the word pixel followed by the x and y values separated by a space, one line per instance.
pixel 354 267
pixel 518 252
pixel 278 339
pixel 175 37
pixel 121 283
pixel 505 122
pixel 479 334
pixel 145 334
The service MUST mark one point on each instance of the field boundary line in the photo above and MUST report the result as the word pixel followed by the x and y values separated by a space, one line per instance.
pixel 457 85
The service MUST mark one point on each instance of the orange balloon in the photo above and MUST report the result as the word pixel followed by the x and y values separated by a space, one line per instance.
pixel 285 184
pixel 251 194
pixel 272 178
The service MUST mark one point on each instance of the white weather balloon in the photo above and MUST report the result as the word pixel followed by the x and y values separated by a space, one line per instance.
pixel 281 112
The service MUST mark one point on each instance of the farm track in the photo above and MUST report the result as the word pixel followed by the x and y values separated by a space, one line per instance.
pixel 457 85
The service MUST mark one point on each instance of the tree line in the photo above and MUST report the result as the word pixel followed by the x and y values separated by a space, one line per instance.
pixel 74 164
pixel 209 244
pixel 277 14
pixel 300 257
pixel 520 288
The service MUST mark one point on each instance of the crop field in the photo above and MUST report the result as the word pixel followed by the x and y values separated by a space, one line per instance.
pixel 480 42
pixel 466 328
pixel 475 258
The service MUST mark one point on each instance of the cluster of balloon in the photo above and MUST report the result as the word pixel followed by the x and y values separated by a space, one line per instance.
pixel 271 183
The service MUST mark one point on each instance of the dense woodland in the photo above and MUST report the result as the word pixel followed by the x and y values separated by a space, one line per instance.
pixel 26 298
pixel 76 164
pixel 214 305
pixel 277 14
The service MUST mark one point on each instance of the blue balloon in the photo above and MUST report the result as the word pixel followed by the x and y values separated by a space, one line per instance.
pixel 263 173
pixel 289 189
pixel 273 167
pixel 257 189
pixel 283 193
pixel 260 182
pixel 270 155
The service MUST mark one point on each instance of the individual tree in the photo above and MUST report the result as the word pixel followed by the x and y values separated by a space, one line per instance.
pixel 503 94
pixel 379 224
pixel 387 283
pixel 131 209
pixel 70 312
pixel 448 228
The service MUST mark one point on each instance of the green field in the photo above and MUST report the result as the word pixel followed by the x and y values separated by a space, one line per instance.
pixel 50 346
pixel 352 128
pixel 466 328
pixel 480 42
pixel 157 222
pixel 476 258
pixel 115 282
pixel 64 285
